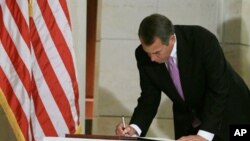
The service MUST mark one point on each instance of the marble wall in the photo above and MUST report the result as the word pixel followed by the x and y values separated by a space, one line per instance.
pixel 117 75
pixel 245 24
pixel 236 39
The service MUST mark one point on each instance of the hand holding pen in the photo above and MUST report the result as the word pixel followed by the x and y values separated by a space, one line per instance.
pixel 122 129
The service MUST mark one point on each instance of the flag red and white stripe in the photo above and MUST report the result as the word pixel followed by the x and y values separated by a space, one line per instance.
pixel 37 67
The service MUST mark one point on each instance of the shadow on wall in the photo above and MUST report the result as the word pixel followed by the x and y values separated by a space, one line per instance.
pixel 231 31
pixel 234 44
pixel 110 110
pixel 245 40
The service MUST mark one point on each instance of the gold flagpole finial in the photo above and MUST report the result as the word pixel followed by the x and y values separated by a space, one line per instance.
pixel 30 8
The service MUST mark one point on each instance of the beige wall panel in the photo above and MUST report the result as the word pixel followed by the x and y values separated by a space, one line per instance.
pixel 245 25
pixel 121 18
pixel 206 13
pixel 118 77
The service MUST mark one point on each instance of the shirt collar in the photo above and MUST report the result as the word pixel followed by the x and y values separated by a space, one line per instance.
pixel 174 51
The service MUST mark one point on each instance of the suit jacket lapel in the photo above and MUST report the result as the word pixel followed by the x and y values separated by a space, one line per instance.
pixel 184 64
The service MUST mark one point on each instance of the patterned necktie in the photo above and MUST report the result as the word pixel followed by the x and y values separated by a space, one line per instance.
pixel 174 73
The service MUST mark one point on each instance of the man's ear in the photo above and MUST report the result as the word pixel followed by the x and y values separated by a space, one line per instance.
pixel 172 39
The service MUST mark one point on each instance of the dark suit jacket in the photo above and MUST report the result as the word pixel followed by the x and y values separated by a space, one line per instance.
pixel 213 92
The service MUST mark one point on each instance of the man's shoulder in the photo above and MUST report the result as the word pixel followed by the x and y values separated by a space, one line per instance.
pixel 193 31
pixel 190 28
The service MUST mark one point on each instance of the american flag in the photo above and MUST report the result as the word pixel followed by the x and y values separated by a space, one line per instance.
pixel 39 90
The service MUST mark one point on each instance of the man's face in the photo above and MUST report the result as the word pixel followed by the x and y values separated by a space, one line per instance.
pixel 157 51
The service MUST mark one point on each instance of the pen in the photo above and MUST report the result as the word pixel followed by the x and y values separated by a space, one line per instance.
pixel 123 122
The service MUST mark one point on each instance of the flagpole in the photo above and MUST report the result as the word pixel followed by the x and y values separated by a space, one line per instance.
pixel 30 8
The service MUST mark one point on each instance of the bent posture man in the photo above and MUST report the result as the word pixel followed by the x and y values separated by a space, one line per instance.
pixel 188 65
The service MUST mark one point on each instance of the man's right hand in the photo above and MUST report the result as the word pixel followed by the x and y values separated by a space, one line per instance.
pixel 127 131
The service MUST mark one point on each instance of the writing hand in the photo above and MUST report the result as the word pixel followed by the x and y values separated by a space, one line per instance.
pixel 127 131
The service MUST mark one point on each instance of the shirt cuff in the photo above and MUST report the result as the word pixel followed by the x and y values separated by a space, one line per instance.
pixel 137 129
pixel 207 135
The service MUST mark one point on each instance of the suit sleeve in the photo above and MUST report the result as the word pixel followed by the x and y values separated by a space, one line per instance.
pixel 149 99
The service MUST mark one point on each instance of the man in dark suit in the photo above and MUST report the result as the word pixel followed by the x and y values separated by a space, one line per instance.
pixel 214 95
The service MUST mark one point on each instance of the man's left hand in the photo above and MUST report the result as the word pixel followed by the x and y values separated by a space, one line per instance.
pixel 192 138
